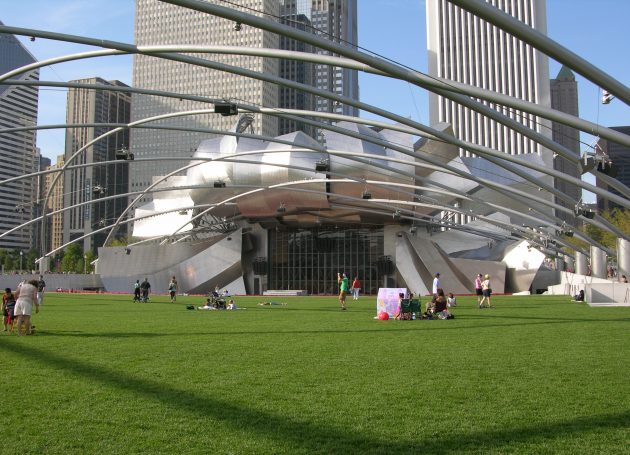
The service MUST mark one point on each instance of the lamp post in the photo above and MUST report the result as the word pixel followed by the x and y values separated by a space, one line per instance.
pixel 21 255
pixel 85 264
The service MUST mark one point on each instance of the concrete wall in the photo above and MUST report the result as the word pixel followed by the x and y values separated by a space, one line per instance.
pixel 198 266
pixel 75 281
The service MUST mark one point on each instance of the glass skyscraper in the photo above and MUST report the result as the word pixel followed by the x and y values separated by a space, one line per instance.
pixel 18 152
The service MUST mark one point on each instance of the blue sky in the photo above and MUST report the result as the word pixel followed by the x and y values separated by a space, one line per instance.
pixel 595 30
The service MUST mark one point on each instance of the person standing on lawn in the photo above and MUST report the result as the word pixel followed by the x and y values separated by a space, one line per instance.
pixel 478 290
pixel 356 286
pixel 26 296
pixel 145 287
pixel 344 287
pixel 172 289
pixel 486 289
pixel 8 305
pixel 436 285
pixel 41 286
pixel 136 291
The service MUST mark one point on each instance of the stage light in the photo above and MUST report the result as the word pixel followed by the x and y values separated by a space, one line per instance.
pixel 322 165
pixel 225 109
pixel 606 97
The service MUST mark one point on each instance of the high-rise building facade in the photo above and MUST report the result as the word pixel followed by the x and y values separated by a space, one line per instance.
pixel 296 70
pixel 18 109
pixel 160 23
pixel 337 21
pixel 467 49
pixel 42 163
pixel 564 98
pixel 94 182
pixel 54 226
pixel 620 157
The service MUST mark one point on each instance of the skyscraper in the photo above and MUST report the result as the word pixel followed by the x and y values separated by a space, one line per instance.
pixel 564 97
pixel 295 70
pixel 54 227
pixel 92 182
pixel 620 157
pixel 42 163
pixel 160 23
pixel 467 49
pixel 18 109
pixel 337 21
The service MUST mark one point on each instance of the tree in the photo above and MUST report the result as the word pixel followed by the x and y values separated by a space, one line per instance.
pixel 620 218
pixel 72 261
pixel 119 241
pixel 90 258
pixel 30 257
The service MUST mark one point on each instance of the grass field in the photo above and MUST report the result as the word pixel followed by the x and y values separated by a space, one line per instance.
pixel 104 375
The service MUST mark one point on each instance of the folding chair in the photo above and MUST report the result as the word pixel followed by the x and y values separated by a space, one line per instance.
pixel 405 309
pixel 415 308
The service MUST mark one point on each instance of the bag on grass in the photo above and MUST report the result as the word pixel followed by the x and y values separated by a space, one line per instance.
pixel 190 307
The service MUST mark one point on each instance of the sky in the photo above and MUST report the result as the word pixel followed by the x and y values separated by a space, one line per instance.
pixel 595 30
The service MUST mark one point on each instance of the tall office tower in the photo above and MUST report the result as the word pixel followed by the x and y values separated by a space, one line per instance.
pixel 467 49
pixel 336 20
pixel 94 182
pixel 43 163
pixel 161 23
pixel 54 223
pixel 18 109
pixel 564 97
pixel 620 157
pixel 294 15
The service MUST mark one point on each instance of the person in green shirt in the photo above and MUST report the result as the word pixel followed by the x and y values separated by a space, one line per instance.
pixel 344 287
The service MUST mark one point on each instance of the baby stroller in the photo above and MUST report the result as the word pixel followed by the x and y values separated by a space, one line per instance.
pixel 216 301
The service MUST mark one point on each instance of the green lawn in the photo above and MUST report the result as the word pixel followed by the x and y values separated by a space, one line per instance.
pixel 104 375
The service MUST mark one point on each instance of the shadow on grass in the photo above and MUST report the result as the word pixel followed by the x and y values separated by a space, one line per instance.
pixel 308 436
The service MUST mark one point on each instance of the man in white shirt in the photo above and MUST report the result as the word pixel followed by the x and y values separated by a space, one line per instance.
pixel 436 284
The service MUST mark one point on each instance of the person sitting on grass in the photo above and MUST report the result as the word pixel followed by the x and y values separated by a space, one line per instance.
pixel 429 307
pixel 231 305
pixel 441 305
pixel 451 301
pixel 440 301
pixel 208 306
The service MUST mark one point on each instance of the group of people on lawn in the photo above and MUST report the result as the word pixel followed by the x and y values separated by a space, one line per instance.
pixel 142 290
pixel 17 308
pixel 439 304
